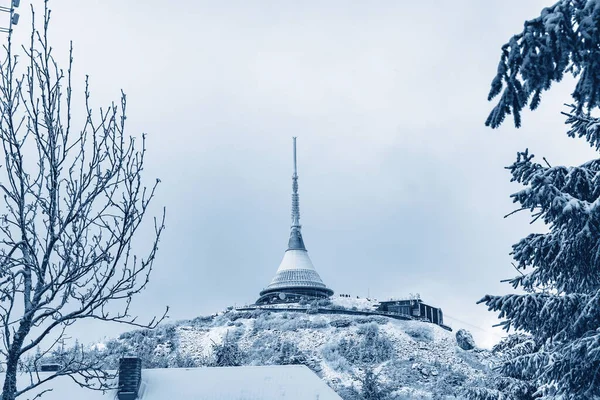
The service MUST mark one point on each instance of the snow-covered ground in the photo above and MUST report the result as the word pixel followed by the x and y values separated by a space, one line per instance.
pixel 416 359
pixel 360 303
pixel 292 382
pixel 413 359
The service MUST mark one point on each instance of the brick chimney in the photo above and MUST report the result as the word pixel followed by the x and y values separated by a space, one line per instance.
pixel 130 378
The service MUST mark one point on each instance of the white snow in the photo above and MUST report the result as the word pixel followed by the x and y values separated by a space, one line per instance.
pixel 98 346
pixel 425 344
pixel 292 382
pixel 354 301
pixel 296 260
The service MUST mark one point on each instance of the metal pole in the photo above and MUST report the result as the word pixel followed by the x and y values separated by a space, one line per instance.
pixel 295 168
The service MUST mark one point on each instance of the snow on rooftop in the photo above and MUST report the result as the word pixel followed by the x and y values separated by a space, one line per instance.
pixel 292 382
pixel 354 301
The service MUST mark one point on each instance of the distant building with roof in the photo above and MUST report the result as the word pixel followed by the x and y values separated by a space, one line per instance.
pixel 296 276
pixel 414 308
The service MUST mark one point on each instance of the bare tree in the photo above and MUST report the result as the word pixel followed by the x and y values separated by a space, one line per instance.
pixel 73 200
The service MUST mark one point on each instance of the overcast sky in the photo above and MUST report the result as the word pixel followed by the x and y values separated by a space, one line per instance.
pixel 402 187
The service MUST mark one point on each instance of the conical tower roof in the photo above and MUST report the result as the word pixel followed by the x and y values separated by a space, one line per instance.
pixel 296 275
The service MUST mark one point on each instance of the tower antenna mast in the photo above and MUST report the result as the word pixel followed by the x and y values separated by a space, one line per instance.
pixel 295 197
pixel 295 168
pixel 296 276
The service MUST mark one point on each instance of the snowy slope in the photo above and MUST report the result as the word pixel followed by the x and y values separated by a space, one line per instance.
pixel 413 359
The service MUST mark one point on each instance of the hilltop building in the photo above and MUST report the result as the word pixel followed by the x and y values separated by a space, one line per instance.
pixel 414 308
pixel 296 276
pixel 297 279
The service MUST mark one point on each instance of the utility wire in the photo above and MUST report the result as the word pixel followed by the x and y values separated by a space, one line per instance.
pixel 473 326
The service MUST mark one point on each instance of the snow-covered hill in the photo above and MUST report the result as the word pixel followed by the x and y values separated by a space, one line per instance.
pixel 410 359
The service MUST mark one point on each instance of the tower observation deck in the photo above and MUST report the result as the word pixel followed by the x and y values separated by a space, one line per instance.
pixel 296 276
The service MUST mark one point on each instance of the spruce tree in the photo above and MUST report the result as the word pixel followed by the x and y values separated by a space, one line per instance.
pixel 371 385
pixel 227 353
pixel 560 270
pixel 499 384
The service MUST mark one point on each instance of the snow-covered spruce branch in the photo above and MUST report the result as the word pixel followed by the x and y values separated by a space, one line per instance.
pixel 73 202
pixel 536 311
pixel 583 126
pixel 567 199
pixel 563 39
pixel 561 308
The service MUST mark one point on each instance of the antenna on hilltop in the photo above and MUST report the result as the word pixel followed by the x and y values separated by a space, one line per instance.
pixel 295 197
pixel 295 168
pixel 296 277
pixel 14 17
pixel 295 241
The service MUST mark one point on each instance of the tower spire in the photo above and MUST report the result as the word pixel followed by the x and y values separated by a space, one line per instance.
pixel 295 242
pixel 296 276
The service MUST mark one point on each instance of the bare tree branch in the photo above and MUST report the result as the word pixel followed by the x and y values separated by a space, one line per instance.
pixel 72 206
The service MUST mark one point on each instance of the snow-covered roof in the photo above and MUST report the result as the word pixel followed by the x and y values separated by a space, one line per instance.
pixel 295 259
pixel 361 303
pixel 291 382
pixel 296 269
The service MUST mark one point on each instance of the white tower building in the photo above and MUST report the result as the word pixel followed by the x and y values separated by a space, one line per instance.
pixel 296 275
